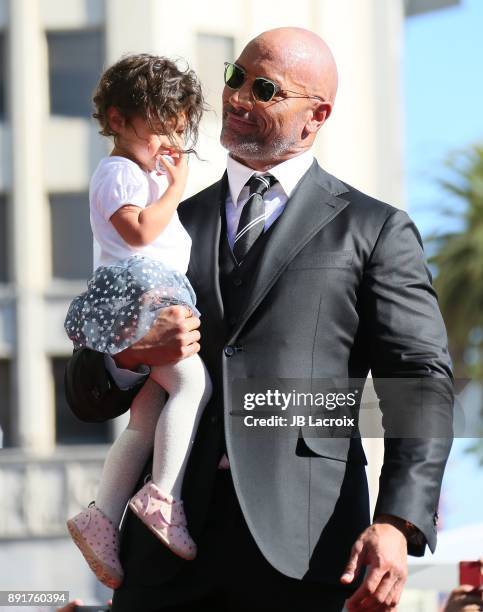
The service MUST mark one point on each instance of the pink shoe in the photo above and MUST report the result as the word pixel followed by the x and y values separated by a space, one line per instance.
pixel 165 517
pixel 98 540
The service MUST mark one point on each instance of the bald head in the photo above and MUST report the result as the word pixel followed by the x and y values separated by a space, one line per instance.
pixel 303 56
pixel 262 133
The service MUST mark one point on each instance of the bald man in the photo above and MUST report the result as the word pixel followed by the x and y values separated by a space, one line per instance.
pixel 298 276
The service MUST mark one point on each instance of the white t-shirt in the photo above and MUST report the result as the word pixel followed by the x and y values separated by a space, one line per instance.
pixel 118 181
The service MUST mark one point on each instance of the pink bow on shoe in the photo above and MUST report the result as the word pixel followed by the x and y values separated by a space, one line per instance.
pixel 165 517
pixel 98 540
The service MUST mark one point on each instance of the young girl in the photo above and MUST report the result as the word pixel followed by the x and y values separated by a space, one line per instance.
pixel 151 108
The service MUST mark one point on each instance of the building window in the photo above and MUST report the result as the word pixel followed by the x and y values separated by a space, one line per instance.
pixel 68 428
pixel 5 403
pixel 76 60
pixel 71 236
pixel 212 51
pixel 3 71
pixel 3 240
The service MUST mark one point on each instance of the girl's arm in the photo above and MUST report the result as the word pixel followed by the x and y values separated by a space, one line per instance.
pixel 140 226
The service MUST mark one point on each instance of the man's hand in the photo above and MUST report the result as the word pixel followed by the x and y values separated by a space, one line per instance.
pixel 465 598
pixel 383 548
pixel 173 337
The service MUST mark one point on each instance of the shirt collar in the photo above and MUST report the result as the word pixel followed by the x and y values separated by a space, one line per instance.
pixel 288 173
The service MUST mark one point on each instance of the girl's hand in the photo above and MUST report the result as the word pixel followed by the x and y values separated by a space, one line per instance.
pixel 176 172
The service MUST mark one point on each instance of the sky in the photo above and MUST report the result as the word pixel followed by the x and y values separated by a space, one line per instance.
pixel 444 114
pixel 444 100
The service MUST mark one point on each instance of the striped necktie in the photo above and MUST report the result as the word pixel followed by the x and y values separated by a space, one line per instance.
pixel 252 219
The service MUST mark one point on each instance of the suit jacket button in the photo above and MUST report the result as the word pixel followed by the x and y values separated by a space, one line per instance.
pixel 237 281
pixel 229 351
pixel 96 394
pixel 214 419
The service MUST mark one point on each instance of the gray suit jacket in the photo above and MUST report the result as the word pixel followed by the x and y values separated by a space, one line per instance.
pixel 341 289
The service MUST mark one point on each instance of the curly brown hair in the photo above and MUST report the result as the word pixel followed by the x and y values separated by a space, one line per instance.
pixel 151 87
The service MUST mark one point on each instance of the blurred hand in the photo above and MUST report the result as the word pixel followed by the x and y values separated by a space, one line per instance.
pixel 383 548
pixel 173 337
pixel 71 606
pixel 465 598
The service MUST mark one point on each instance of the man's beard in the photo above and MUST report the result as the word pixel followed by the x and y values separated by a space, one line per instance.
pixel 249 146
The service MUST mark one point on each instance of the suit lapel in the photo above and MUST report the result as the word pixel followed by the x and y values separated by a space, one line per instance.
pixel 309 209
pixel 204 228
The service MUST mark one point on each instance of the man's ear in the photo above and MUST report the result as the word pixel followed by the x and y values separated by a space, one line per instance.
pixel 115 119
pixel 319 116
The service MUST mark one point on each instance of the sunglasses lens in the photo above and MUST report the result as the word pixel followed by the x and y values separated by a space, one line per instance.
pixel 263 89
pixel 234 76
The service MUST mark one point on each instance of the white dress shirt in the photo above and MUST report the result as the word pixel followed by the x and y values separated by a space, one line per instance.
pixel 288 175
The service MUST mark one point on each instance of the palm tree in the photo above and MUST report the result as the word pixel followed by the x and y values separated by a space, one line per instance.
pixel 458 258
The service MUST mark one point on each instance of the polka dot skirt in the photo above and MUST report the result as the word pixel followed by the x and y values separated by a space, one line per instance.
pixel 122 303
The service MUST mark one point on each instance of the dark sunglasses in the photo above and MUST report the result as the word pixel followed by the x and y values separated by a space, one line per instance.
pixel 262 89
